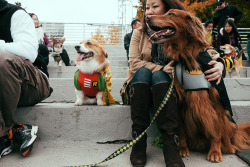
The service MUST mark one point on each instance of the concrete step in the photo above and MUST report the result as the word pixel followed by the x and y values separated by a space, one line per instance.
pixel 63 153
pixel 68 135
pixel 68 72
pixel 238 89
pixel 64 121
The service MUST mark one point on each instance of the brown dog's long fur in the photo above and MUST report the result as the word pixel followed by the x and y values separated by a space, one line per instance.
pixel 204 123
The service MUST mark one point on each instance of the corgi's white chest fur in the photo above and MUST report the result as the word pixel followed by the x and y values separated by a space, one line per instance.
pixel 90 66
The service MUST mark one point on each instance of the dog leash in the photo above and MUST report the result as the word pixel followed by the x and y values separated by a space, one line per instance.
pixel 130 144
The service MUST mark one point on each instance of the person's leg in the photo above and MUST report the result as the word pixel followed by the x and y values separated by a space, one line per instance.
pixel 167 120
pixel 140 99
pixel 44 52
pixel 65 57
pixel 21 84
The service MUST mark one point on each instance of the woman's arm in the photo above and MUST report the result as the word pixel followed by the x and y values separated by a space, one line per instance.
pixel 46 40
pixel 136 58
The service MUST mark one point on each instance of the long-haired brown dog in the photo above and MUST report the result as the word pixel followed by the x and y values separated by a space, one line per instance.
pixel 204 121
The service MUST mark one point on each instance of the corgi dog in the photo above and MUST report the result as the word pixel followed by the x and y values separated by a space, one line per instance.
pixel 59 53
pixel 92 80
pixel 232 59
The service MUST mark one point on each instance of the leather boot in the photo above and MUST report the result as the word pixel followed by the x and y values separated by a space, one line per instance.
pixel 138 156
pixel 167 123
pixel 140 97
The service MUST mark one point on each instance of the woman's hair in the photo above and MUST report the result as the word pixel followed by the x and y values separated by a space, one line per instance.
pixel 32 14
pixel 208 22
pixel 168 4
pixel 234 30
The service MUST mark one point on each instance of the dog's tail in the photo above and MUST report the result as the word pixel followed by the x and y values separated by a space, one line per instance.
pixel 235 137
pixel 242 136
pixel 239 56
pixel 240 53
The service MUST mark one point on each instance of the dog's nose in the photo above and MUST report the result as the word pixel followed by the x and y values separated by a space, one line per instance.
pixel 77 47
pixel 148 17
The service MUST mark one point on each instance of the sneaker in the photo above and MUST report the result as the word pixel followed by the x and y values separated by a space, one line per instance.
pixel 5 146
pixel 25 136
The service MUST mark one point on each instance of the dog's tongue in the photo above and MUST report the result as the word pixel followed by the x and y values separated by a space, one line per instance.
pixel 161 33
pixel 80 57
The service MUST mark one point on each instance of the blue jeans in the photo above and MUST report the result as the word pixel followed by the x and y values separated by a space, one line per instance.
pixel 144 75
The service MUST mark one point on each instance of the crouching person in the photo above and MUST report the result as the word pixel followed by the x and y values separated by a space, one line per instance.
pixel 21 82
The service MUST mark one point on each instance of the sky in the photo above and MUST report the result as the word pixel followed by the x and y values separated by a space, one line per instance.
pixel 80 11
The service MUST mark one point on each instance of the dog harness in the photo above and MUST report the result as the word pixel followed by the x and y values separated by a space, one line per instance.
pixel 232 55
pixel 191 79
pixel 57 57
pixel 90 84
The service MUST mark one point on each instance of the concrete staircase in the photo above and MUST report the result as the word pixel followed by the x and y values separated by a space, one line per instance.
pixel 68 135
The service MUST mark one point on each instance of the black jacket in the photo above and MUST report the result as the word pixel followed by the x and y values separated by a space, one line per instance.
pixel 230 11
pixel 127 40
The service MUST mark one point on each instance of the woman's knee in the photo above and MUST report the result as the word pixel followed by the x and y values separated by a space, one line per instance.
pixel 142 75
pixel 160 76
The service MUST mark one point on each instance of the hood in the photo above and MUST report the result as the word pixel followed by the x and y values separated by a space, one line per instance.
pixel 3 5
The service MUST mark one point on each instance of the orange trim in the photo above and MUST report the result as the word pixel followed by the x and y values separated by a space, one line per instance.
pixel 26 153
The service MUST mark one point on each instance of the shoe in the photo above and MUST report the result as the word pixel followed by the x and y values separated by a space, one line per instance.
pixel 25 136
pixel 5 146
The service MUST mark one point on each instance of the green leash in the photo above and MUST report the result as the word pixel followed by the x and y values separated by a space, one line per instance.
pixel 130 144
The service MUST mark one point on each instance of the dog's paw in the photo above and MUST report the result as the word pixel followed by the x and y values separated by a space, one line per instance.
pixel 100 103
pixel 184 152
pixel 78 103
pixel 214 156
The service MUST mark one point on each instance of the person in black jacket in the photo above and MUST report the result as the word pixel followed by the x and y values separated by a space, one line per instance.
pixel 134 24
pixel 224 12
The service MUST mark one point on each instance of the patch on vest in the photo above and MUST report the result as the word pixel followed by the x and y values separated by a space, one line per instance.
pixel 191 79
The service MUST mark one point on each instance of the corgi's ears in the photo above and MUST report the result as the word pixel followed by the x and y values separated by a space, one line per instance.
pixel 52 39
pixel 63 40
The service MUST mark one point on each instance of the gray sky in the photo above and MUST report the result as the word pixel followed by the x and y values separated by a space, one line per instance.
pixel 78 11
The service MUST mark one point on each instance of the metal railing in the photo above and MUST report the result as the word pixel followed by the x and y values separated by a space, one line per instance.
pixel 106 34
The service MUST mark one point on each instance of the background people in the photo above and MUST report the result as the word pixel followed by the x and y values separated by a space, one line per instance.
pixel 209 25
pixel 134 25
pixel 21 83
pixel 229 35
pixel 43 40
pixel 224 12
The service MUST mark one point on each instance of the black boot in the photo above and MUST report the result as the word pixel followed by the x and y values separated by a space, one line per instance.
pixel 140 97
pixel 167 123
pixel 138 156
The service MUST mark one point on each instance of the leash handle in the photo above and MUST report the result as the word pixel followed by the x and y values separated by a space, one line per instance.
pixel 130 144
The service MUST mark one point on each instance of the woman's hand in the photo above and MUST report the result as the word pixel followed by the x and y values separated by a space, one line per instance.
pixel 168 68
pixel 215 73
